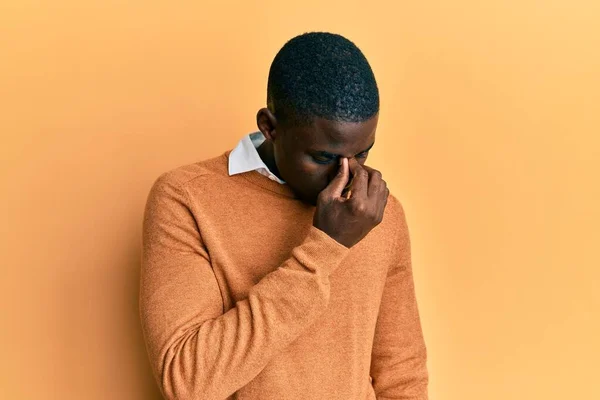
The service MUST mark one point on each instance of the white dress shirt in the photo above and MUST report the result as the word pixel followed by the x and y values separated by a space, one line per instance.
pixel 244 157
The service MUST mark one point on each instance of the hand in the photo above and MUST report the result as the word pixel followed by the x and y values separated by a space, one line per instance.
pixel 348 220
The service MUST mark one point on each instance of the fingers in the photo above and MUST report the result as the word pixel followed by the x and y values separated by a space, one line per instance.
pixel 376 182
pixel 360 181
pixel 366 182
pixel 337 184
pixel 377 192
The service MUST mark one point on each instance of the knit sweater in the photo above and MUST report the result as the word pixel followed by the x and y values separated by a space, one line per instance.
pixel 241 297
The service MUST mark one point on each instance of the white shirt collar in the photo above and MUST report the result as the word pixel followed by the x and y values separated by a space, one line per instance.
pixel 244 157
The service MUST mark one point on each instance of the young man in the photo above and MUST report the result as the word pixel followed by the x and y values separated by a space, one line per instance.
pixel 263 276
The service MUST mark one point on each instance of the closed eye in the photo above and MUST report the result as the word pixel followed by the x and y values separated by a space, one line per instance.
pixel 326 160
pixel 323 159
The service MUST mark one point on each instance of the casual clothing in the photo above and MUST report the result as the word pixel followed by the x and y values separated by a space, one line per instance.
pixel 243 298
pixel 244 157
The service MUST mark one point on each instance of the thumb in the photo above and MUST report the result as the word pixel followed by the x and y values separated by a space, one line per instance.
pixel 337 184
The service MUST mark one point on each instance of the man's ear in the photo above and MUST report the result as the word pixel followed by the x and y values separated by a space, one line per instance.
pixel 267 123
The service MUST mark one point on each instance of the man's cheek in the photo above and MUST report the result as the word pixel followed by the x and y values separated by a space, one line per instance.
pixel 308 170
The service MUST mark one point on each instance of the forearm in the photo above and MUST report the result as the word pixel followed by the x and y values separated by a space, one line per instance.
pixel 204 355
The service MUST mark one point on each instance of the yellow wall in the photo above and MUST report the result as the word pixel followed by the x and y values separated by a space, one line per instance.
pixel 488 134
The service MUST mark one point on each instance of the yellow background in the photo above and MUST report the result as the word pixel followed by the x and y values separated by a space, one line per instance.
pixel 489 135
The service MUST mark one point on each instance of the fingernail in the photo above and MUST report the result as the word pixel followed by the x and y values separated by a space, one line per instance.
pixel 341 160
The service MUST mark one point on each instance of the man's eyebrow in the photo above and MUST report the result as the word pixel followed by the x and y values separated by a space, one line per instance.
pixel 332 155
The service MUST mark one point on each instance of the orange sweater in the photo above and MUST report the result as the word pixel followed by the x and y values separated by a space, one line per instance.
pixel 242 298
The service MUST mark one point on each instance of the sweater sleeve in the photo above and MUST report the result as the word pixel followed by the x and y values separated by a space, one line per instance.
pixel 195 349
pixel 399 356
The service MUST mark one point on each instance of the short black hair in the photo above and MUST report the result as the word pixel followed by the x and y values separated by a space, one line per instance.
pixel 321 74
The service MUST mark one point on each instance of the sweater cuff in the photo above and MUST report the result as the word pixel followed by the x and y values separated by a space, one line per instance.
pixel 319 252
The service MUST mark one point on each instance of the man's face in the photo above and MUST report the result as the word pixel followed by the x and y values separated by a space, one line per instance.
pixel 307 157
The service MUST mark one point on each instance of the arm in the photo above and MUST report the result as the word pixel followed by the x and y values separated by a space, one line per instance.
pixel 196 350
pixel 398 361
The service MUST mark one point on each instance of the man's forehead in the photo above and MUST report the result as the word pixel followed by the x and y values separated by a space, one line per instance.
pixel 330 136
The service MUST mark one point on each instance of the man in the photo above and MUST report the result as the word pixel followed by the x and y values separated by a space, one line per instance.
pixel 282 269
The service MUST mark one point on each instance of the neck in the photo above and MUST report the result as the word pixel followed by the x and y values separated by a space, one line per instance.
pixel 266 153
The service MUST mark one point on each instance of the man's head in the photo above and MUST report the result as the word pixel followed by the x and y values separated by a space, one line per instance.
pixel 322 104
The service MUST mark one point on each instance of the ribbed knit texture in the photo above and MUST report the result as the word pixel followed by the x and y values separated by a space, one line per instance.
pixel 242 298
